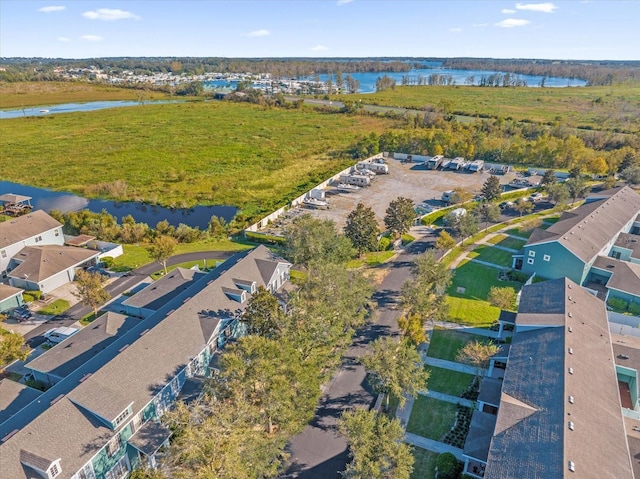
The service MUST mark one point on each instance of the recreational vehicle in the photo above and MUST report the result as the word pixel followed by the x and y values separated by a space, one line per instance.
pixel 435 162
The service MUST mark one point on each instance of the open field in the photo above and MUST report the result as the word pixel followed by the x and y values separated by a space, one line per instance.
pixel 600 108
pixel 182 154
pixel 25 94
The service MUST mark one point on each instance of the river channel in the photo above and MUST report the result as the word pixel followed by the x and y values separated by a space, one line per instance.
pixel 143 213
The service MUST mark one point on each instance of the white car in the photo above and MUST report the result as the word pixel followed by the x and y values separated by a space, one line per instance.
pixel 536 197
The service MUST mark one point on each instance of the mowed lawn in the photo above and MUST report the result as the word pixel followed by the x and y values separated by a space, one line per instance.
pixel 183 154
pixel 431 418
pixel 471 306
pixel 491 255
pixel 447 381
pixel 445 344
pixel 507 242
pixel 424 466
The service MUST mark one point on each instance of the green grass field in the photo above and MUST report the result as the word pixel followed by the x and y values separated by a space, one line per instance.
pixel 507 242
pixel 445 343
pixel 491 255
pixel 431 418
pixel 57 307
pixel 600 108
pixel 424 466
pixel 185 153
pixel 446 381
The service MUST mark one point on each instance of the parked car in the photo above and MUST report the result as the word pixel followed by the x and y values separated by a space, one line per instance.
pixel 505 205
pixel 536 197
pixel 21 313
pixel 57 335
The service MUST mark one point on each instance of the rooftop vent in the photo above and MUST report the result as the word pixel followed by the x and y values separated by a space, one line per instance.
pixel 569 314
pixel 570 329
pixel 623 356
pixel 571 426
pixel 570 350
pixel 572 466
pixel 570 370
pixel 570 399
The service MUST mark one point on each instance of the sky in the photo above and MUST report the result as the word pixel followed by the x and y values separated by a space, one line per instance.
pixel 562 29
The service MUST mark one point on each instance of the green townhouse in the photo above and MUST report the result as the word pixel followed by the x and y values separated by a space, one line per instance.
pixel 595 245
pixel 102 418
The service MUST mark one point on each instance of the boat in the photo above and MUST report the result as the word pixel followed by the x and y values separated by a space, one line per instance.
pixel 315 203
pixel 347 187
pixel 44 111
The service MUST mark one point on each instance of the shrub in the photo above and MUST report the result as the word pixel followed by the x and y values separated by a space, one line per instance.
pixel 447 466
pixel 634 308
pixel 108 261
pixel 385 243
pixel 618 304
pixel 519 276
pixel 263 238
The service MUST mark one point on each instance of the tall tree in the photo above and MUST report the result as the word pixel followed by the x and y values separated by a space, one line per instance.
pixel 577 187
pixel 631 175
pixel 523 206
pixel 12 347
pixel 400 216
pixel 310 241
pixel 362 229
pixel 487 212
pixel 161 249
pixel 263 314
pixel 477 354
pixel 444 241
pixel 549 178
pixel 376 446
pixel 558 193
pixel 89 290
pixel 395 368
pixel 491 188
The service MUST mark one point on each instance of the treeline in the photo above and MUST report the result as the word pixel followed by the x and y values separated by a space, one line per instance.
pixel 595 73
pixel 105 226
pixel 504 141
pixel 42 69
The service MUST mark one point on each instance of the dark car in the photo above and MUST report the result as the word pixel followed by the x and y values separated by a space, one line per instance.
pixel 21 313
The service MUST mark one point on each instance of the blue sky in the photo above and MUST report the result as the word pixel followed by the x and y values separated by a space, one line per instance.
pixel 564 29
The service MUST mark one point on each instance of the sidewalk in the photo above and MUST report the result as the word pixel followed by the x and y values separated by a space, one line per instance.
pixel 467 329
pixel 447 398
pixel 433 446
pixel 453 366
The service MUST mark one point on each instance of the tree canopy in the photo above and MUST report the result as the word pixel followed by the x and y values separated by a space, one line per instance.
pixel 90 291
pixel 400 216
pixel 362 229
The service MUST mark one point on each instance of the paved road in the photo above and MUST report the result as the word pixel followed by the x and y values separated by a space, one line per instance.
pixel 35 337
pixel 319 452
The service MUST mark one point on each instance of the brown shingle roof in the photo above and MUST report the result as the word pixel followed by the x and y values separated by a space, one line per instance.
pixel 625 275
pixel 26 226
pixel 629 241
pixel 41 262
pixel 7 291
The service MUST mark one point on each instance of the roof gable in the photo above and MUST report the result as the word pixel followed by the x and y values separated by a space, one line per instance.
pixel 38 263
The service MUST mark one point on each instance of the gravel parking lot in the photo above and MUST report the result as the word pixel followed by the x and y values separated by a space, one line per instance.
pixel 411 180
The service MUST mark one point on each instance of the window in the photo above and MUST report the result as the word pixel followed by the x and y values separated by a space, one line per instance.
pixel 532 253
pixel 113 446
pixel 530 261
pixel 546 257
pixel 38 239
pixel 54 470
pixel 85 473
pixel 123 415
pixel 120 470
pixel 616 254
pixel 57 232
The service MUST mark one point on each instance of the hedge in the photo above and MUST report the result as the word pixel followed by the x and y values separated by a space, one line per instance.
pixel 264 238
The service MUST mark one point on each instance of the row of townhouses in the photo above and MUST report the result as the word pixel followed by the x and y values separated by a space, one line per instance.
pixel 561 400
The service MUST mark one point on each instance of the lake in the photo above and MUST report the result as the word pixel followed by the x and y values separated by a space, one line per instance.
pixel 43 199
pixel 368 79
pixel 71 107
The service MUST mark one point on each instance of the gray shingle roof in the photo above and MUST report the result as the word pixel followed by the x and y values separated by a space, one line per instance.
pixel 586 230
pixel 150 437
pixel 42 262
pixel 161 291
pixel 532 437
pixel 479 437
pixel 13 397
pixel 625 277
pixel 490 391
pixel 629 241
pixel 63 359
pixel 131 370
pixel 24 227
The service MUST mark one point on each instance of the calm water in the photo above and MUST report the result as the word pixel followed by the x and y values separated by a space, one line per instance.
pixel 368 80
pixel 70 107
pixel 142 213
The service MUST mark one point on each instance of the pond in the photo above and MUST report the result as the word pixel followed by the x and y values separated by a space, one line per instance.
pixel 143 213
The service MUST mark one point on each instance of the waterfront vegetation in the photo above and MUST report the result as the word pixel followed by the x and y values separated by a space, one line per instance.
pixel 184 154
pixel 599 108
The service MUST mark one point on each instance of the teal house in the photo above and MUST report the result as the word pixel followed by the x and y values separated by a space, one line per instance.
pixel 10 298
pixel 103 418
pixel 578 245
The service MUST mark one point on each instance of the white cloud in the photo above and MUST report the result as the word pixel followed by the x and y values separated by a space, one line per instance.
pixel 259 33
pixel 109 14
pixel 53 8
pixel 319 48
pixel 343 2
pixel 537 7
pixel 508 11
pixel 480 25
pixel 455 30
pixel 512 22
pixel 92 38
pixel 64 39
